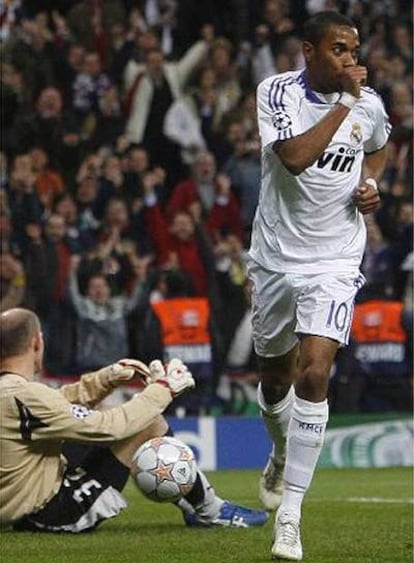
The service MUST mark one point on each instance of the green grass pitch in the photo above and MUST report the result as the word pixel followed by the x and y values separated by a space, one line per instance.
pixel 349 516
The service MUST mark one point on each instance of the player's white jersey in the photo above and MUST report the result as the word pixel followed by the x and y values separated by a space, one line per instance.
pixel 308 223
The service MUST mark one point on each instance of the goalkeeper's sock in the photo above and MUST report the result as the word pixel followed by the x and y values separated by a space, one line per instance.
pixel 304 444
pixel 276 418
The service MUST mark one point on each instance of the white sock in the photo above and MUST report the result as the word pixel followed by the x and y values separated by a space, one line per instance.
pixel 276 418
pixel 304 444
pixel 209 507
pixel 185 506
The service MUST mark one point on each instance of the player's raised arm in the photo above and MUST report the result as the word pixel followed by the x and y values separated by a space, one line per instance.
pixel 339 47
pixel 302 151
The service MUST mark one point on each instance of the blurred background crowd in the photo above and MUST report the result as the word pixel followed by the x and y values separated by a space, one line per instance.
pixel 130 173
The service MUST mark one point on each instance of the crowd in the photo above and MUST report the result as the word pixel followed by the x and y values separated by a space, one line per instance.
pixel 130 170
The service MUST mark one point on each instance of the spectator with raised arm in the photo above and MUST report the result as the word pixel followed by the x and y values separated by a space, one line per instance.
pixel 180 242
pixel 153 86
pixel 101 328
pixel 212 193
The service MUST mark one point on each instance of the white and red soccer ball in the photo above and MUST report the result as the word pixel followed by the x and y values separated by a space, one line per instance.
pixel 164 469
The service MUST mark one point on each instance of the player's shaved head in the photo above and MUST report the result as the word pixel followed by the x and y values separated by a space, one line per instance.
pixel 17 329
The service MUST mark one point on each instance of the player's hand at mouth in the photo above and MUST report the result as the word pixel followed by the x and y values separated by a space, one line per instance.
pixel 352 78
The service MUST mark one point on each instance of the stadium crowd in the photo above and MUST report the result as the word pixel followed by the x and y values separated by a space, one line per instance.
pixel 130 169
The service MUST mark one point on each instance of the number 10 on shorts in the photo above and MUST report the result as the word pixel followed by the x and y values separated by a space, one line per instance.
pixel 337 316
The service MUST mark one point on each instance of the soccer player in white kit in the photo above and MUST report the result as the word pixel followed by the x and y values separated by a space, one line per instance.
pixel 323 138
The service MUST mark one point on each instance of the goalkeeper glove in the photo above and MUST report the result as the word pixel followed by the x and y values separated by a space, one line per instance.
pixel 126 369
pixel 175 375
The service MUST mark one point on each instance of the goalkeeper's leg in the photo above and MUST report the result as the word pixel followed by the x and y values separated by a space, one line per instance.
pixel 202 507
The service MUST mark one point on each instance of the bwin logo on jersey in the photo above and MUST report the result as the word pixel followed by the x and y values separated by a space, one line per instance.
pixel 340 161
pixel 281 120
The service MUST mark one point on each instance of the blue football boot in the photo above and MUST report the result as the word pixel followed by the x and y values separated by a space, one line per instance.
pixel 230 516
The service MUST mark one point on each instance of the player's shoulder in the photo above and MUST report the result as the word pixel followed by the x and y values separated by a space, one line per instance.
pixel 276 90
pixel 292 77
pixel 370 97
pixel 29 394
pixel 39 390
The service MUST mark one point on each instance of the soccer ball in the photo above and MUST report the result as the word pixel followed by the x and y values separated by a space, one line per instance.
pixel 164 469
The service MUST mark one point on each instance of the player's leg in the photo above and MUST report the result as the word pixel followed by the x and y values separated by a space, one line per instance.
pixel 275 398
pixel 91 489
pixel 305 439
pixel 324 314
pixel 202 496
pixel 309 418
pixel 89 494
pixel 125 450
pixel 202 506
pixel 276 345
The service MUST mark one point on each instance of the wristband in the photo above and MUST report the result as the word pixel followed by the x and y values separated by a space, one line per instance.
pixel 371 182
pixel 347 100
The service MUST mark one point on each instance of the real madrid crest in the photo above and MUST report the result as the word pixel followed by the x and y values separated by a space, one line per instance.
pixel 356 134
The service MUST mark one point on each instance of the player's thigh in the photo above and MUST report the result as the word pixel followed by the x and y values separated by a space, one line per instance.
pixel 325 305
pixel 277 374
pixel 273 312
pixel 124 450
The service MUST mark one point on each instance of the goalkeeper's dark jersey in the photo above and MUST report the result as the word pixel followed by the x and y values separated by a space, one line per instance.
pixel 34 421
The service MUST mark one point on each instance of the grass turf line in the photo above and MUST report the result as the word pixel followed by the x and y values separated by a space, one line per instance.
pixel 334 530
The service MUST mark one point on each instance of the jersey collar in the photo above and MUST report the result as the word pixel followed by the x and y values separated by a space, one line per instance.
pixel 316 97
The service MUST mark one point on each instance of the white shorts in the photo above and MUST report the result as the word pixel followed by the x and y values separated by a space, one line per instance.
pixel 285 306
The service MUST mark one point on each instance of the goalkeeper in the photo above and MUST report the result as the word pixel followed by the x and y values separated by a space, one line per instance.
pixel 40 489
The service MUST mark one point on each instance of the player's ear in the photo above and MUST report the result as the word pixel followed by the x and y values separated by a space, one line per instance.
pixel 308 50
pixel 38 342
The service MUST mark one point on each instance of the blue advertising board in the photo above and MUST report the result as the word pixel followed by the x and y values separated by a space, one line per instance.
pixel 228 442
pixel 224 442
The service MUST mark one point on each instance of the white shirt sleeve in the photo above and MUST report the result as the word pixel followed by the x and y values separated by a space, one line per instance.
pixel 278 101
pixel 381 128
pixel 182 126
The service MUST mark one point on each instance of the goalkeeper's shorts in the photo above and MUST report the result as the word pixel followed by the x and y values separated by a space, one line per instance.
pixel 89 494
